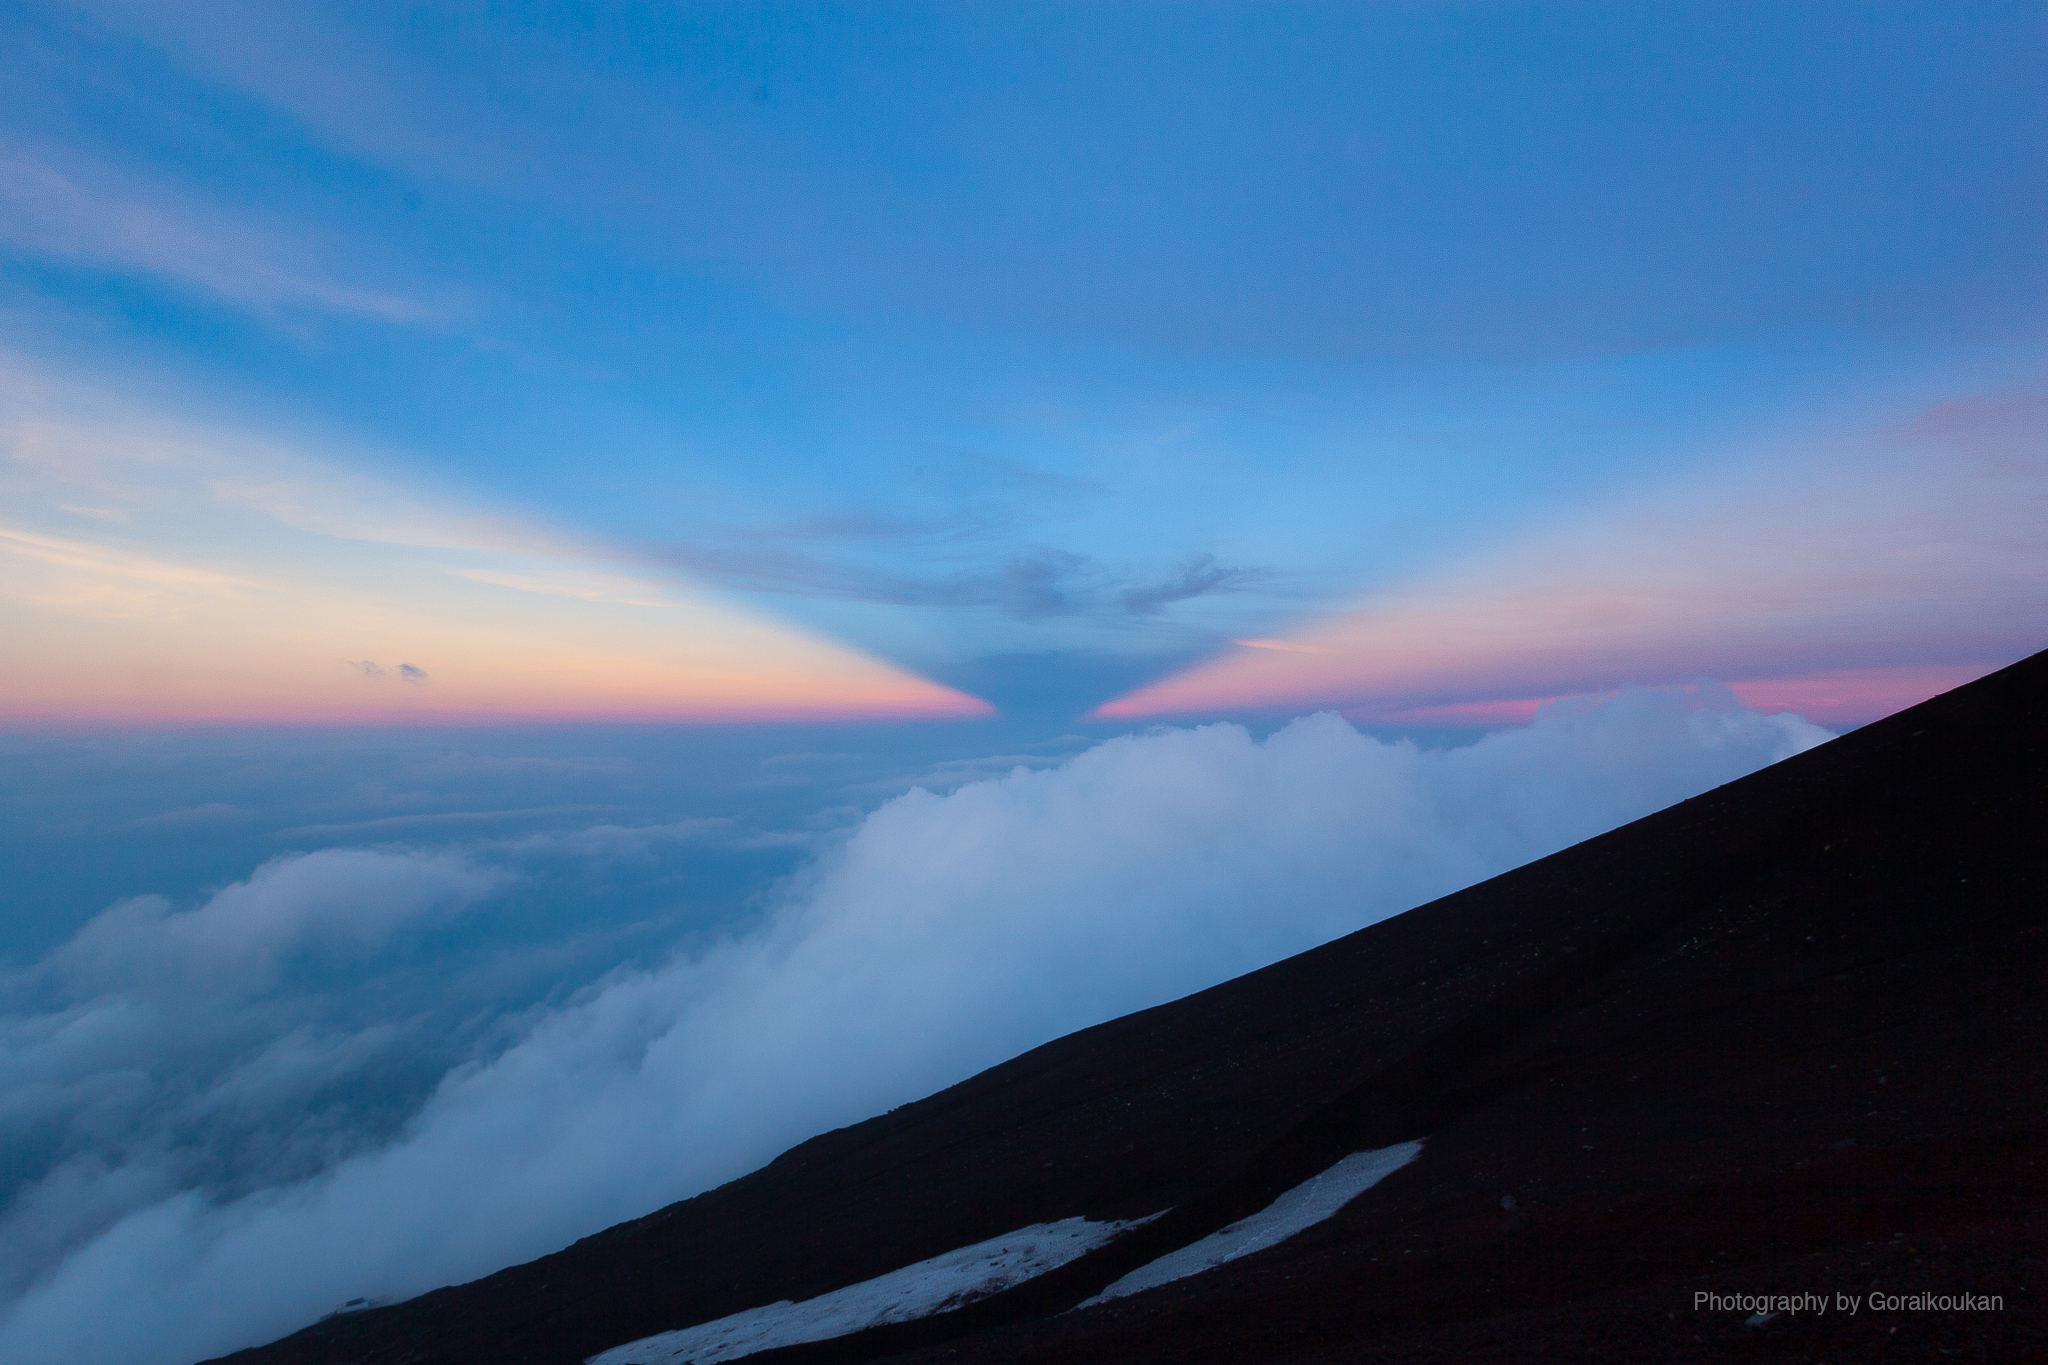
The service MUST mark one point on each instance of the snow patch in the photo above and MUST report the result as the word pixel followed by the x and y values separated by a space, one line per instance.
pixel 1304 1206
pixel 938 1285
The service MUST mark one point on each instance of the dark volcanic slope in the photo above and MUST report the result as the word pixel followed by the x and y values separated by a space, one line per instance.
pixel 1785 1036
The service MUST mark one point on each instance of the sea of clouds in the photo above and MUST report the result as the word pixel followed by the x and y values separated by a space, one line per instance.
pixel 219 1121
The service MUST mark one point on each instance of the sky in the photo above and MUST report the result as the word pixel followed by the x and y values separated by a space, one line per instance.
pixel 722 361
pixel 515 517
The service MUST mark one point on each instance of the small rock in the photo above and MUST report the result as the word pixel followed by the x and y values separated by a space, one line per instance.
pixel 1508 1204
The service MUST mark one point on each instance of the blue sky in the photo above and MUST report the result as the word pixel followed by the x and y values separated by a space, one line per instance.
pixel 530 535
pixel 958 336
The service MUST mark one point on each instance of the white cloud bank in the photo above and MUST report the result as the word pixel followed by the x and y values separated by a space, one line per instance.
pixel 947 934
pixel 346 901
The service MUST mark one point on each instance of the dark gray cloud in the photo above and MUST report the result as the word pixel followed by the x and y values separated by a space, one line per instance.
pixel 1199 576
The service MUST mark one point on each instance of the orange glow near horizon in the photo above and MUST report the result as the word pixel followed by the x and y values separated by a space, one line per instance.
pixel 148 582
pixel 242 650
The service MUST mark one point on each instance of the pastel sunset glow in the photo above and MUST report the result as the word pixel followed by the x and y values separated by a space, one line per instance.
pixel 1846 698
pixel 150 574
pixel 1842 584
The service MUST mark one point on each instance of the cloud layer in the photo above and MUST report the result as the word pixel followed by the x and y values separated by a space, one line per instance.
pixel 945 934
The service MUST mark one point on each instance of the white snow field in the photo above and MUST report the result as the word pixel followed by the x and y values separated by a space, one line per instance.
pixel 934 1286
pixel 1304 1206
pixel 960 1277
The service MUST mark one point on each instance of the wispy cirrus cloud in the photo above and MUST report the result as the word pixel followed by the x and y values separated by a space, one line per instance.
pixel 584 586
pixel 112 582
pixel 61 204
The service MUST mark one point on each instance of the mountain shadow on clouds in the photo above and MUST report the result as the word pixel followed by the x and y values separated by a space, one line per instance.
pixel 1783 1037
pixel 1055 687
